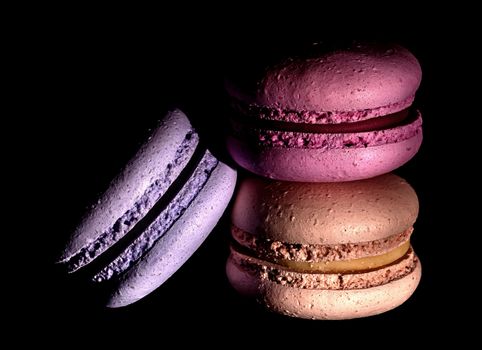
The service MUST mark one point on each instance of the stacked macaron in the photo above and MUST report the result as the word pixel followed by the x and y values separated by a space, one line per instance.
pixel 332 239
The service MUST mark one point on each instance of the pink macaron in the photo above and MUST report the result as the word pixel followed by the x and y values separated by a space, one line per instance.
pixel 331 115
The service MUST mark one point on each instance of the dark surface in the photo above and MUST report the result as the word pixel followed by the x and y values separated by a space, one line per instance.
pixel 115 87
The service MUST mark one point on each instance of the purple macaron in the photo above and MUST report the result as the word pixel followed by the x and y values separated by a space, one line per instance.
pixel 154 215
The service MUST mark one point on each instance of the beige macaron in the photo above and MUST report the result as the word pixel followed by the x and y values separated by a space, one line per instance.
pixel 325 251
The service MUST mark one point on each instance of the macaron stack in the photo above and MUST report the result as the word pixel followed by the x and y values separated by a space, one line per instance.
pixel 324 233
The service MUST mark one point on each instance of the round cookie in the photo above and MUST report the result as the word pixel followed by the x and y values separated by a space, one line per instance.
pixel 334 115
pixel 325 251
pixel 154 214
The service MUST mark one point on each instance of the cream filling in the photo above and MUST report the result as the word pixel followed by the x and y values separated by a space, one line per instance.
pixel 345 266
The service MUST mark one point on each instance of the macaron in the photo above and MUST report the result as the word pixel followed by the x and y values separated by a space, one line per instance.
pixel 153 216
pixel 325 250
pixel 327 115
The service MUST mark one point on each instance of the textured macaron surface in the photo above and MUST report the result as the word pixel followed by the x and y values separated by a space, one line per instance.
pixel 297 136
pixel 176 245
pixel 309 299
pixel 129 197
pixel 328 114
pixel 352 83
pixel 168 216
pixel 325 250
pixel 305 279
pixel 325 213
pixel 162 206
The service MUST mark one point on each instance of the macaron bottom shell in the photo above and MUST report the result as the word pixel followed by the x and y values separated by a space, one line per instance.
pixel 313 165
pixel 323 304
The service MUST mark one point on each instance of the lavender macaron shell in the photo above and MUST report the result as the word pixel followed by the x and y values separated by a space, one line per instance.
pixel 157 154
pixel 175 247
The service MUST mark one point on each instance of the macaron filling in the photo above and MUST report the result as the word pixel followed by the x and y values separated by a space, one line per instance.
pixel 255 111
pixel 336 266
pixel 391 129
pixel 273 250
pixel 324 266
pixel 348 280
pixel 344 266
pixel 141 207
pixel 389 121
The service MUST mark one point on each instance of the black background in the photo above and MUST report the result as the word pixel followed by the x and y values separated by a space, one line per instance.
pixel 111 85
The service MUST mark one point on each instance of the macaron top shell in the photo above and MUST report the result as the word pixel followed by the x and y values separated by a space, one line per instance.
pixel 325 213
pixel 360 77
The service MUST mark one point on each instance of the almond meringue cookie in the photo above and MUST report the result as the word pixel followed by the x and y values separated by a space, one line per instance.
pixel 328 115
pixel 325 250
pixel 153 216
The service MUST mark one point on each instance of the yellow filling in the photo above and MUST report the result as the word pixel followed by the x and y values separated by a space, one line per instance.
pixel 344 266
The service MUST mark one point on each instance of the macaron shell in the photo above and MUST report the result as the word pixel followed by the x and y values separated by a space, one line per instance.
pixel 174 248
pixel 325 304
pixel 157 154
pixel 319 165
pixel 339 304
pixel 357 78
pixel 325 213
